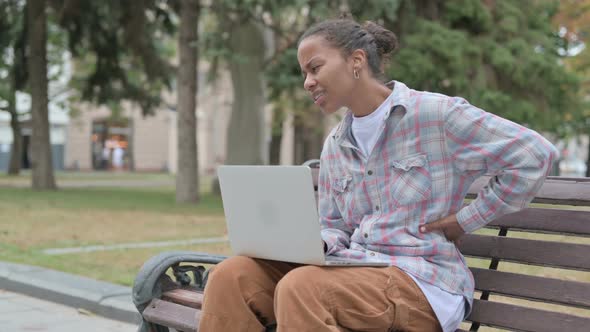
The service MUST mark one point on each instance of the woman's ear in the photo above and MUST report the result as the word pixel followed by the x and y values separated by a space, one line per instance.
pixel 359 58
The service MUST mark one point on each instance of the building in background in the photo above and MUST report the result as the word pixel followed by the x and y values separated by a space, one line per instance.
pixel 58 121
pixel 96 141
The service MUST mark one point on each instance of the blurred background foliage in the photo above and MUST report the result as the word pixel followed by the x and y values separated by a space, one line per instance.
pixel 523 60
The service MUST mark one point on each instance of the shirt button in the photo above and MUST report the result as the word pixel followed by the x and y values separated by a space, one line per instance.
pixel 366 235
pixel 377 208
pixel 370 172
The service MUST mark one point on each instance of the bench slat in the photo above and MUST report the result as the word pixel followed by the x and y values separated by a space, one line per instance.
pixel 172 315
pixel 545 253
pixel 553 191
pixel 187 297
pixel 547 220
pixel 531 287
pixel 525 319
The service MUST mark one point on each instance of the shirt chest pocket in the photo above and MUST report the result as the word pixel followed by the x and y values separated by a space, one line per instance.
pixel 342 192
pixel 411 181
pixel 341 184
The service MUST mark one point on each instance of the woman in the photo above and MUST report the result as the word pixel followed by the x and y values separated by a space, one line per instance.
pixel 392 181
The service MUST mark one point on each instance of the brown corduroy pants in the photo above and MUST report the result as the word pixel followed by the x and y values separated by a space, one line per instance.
pixel 246 294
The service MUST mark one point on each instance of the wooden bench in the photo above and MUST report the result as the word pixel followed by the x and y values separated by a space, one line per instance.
pixel 514 264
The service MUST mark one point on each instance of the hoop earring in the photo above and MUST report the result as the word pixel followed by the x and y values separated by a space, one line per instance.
pixel 356 75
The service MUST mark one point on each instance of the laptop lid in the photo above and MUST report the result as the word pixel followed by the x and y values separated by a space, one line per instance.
pixel 271 212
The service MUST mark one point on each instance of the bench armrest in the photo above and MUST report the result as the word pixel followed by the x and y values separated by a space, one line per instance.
pixel 149 283
pixel 312 163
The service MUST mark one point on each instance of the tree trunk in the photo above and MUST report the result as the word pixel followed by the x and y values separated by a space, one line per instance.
pixel 16 150
pixel 246 133
pixel 298 140
pixel 131 145
pixel 275 149
pixel 309 137
pixel 187 180
pixel 40 144
pixel 315 138
pixel 276 137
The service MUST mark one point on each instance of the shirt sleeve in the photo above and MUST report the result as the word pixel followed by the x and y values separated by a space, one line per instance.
pixel 519 160
pixel 335 231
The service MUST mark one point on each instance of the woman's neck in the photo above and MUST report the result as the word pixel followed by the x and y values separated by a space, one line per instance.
pixel 368 97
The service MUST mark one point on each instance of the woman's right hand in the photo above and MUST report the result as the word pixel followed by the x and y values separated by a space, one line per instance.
pixel 449 226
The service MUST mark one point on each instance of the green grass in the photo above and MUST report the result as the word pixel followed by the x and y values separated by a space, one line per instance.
pixel 117 266
pixel 157 199
pixel 35 220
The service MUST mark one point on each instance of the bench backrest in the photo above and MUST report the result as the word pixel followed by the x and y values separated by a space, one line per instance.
pixel 540 254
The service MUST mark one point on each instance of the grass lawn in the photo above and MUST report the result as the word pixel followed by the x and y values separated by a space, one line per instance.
pixel 32 221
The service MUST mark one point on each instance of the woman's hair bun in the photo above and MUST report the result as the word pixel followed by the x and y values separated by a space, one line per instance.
pixel 385 40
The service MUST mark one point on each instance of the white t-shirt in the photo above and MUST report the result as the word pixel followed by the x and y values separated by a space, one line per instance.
pixel 448 308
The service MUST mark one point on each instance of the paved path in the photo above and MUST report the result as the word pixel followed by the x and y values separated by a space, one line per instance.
pixel 20 313
pixel 135 245
pixel 102 298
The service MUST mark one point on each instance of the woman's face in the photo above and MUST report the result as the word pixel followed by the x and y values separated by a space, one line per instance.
pixel 328 75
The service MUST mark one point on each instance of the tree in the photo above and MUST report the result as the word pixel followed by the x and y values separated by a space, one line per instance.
pixel 115 49
pixel 121 49
pixel 14 63
pixel 500 55
pixel 16 149
pixel 236 34
pixel 113 39
pixel 187 176
pixel 40 144
pixel 13 67
pixel 246 142
pixel 251 36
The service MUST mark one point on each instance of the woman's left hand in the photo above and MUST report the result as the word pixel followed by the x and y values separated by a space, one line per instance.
pixel 449 226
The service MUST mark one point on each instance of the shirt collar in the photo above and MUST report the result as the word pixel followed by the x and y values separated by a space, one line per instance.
pixel 401 94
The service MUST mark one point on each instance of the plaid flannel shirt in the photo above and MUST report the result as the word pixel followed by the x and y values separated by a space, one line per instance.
pixel 430 149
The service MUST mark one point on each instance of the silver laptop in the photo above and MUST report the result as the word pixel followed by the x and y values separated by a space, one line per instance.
pixel 271 213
